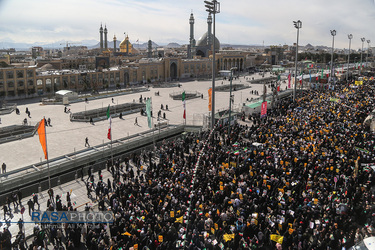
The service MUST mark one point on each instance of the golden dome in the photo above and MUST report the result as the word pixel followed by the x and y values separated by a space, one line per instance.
pixel 126 46
pixel 125 41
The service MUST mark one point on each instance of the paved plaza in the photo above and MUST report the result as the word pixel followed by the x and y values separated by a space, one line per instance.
pixel 64 136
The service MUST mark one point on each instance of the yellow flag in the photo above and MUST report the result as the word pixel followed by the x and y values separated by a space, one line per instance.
pixel 277 238
pixel 228 237
pixel 180 219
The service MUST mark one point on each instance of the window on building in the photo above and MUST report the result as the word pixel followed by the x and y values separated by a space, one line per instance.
pixel 19 73
pixel 1 84
pixel 30 73
pixel 80 80
pixel 30 82
pixel 10 74
pixel 20 83
pixel 65 81
pixel 1 75
pixel 112 78
pixel 10 84
pixel 39 82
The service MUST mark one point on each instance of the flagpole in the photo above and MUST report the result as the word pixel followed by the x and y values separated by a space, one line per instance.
pixel 110 129
pixel 185 112
pixel 111 143
pixel 184 104
pixel 49 175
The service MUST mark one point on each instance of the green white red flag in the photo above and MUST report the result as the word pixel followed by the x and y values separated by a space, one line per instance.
pixel 184 104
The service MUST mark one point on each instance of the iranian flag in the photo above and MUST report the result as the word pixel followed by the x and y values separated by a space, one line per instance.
pixel 184 104
pixel 109 135
pixel 108 112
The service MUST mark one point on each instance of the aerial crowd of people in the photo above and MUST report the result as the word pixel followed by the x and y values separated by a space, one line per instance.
pixel 298 178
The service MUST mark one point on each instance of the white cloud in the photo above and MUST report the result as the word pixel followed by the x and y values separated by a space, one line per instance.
pixel 164 21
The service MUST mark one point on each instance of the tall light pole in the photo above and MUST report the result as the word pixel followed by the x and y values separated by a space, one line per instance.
pixel 368 48
pixel 213 7
pixel 333 33
pixel 230 98
pixel 297 25
pixel 363 40
pixel 350 36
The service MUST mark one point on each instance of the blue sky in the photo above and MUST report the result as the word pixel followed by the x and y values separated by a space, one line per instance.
pixel 164 21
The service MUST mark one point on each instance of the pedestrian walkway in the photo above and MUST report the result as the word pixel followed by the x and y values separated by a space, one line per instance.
pixel 79 199
pixel 78 196
pixel 65 137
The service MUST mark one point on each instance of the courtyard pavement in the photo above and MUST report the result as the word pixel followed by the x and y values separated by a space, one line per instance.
pixel 64 137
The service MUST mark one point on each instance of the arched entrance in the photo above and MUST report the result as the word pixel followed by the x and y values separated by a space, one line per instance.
pixel 126 79
pixel 200 53
pixel 173 70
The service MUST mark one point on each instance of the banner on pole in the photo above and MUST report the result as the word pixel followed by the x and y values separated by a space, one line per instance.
pixel 148 111
pixel 210 99
pixel 263 111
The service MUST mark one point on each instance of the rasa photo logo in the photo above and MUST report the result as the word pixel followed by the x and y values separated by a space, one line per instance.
pixel 72 217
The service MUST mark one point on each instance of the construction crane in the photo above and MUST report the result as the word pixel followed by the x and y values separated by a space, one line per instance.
pixel 68 45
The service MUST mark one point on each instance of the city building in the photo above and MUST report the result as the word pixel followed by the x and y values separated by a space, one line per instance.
pixel 96 69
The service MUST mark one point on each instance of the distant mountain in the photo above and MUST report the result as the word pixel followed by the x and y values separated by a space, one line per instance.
pixel 6 43
pixel 110 45
pixel 145 45
pixel 172 45
pixel 239 46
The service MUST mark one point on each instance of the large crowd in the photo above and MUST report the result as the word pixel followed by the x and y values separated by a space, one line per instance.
pixel 295 179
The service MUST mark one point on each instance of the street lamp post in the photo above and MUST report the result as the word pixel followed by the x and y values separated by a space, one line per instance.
pixel 333 33
pixel 230 98
pixel 213 7
pixel 368 48
pixel 350 36
pixel 297 25
pixel 363 40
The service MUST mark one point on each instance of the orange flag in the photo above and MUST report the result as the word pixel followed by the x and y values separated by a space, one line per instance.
pixel 42 137
pixel 210 99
